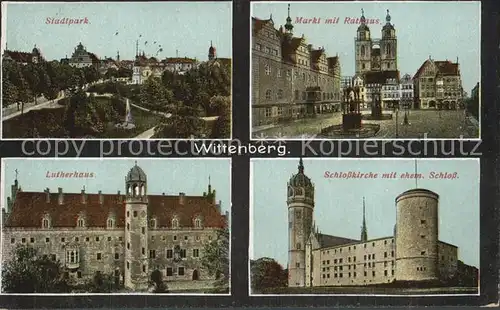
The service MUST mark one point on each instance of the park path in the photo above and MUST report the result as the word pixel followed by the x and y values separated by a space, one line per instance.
pixel 147 134
pixel 7 113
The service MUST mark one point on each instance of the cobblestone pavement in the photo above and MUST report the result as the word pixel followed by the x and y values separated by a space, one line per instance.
pixel 422 124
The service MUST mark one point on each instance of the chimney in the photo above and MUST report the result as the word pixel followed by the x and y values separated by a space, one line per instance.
pixel 213 197
pixel 181 198
pixel 47 195
pixel 101 198
pixel 84 197
pixel 118 193
pixel 163 194
pixel 61 195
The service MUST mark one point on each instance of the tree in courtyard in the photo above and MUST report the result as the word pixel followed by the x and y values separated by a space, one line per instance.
pixel 154 96
pixel 215 259
pixel 267 273
pixel 29 272
pixel 182 122
pixel 157 281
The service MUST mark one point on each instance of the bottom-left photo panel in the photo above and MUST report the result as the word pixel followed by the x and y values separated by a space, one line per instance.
pixel 123 226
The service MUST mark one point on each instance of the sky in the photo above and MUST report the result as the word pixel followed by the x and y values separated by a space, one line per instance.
pixel 442 30
pixel 169 176
pixel 338 207
pixel 184 26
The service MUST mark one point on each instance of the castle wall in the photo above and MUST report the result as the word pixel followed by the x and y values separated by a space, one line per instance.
pixel 447 261
pixel 372 262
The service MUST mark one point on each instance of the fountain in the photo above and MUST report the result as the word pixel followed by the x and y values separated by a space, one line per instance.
pixel 128 122
pixel 352 125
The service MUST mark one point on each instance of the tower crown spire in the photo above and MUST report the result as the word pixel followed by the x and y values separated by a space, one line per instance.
pixel 364 231
pixel 388 17
pixel 301 166
pixel 363 19
pixel 289 25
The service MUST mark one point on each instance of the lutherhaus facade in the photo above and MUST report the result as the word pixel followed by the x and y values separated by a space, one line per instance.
pixel 290 79
pixel 125 235
pixel 413 253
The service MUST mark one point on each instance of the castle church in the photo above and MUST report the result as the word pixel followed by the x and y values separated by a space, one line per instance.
pixel 127 235
pixel 413 254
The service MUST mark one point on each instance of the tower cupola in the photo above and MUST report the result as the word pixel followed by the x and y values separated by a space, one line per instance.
pixel 136 182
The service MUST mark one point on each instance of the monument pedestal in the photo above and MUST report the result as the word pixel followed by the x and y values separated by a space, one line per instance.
pixel 351 121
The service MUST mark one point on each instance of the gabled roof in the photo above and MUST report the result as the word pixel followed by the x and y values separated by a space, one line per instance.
pixel 326 241
pixel 94 57
pixel 19 56
pixel 176 60
pixel 29 209
pixel 443 68
pixel 258 24
pixel 333 61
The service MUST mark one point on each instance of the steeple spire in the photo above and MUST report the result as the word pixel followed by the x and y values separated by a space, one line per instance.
pixel 301 166
pixel 364 232
pixel 388 17
pixel 363 19
pixel 209 186
pixel 289 25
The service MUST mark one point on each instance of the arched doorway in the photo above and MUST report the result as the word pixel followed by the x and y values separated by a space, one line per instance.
pixel 196 275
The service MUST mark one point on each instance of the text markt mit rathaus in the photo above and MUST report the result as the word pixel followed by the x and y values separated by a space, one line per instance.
pixel 66 21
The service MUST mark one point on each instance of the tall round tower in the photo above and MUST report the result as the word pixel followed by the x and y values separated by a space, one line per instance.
pixel 300 201
pixel 417 235
pixel 136 230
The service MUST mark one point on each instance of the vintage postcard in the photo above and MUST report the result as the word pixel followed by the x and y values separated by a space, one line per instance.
pixel 132 70
pixel 365 70
pixel 364 227
pixel 115 226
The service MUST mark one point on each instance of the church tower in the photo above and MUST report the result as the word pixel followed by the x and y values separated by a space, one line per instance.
pixel 212 54
pixel 300 201
pixel 364 230
pixel 388 46
pixel 363 45
pixel 136 230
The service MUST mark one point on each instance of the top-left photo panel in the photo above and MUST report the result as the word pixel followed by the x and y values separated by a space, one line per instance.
pixel 127 70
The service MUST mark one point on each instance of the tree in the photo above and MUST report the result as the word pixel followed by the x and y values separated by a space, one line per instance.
pixel 101 283
pixel 267 273
pixel 10 94
pixel 28 272
pixel 154 96
pixel 182 123
pixel 222 107
pixel 157 281
pixel 215 258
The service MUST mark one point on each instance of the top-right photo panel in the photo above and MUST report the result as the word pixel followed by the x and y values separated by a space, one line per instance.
pixel 365 70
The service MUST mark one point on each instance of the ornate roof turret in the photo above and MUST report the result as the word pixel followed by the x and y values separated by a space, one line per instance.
pixel 363 26
pixel 289 25
pixel 136 174
pixel 300 179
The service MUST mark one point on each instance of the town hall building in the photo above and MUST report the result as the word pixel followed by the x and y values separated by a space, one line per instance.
pixel 127 235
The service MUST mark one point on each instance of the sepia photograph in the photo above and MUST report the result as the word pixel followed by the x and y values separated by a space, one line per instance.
pixel 87 226
pixel 108 70
pixel 388 227
pixel 365 70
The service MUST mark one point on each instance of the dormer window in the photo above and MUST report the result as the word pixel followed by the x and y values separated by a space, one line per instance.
pixel 111 223
pixel 175 223
pixel 80 222
pixel 46 222
pixel 152 223
pixel 197 223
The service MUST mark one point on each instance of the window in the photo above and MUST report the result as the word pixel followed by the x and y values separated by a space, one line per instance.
pixel 197 223
pixel 128 245
pixel 185 238
pixel 183 253
pixel 152 223
pixel 280 94
pixel 196 253
pixel 373 273
pixel 143 230
pixel 87 239
pixel 79 274
pixel 62 240
pixel 77 239
pixel 175 223
pixel 45 223
pixel 268 94
pixel 47 240
pixel 128 215
pixel 175 238
pixel 12 240
pixel 385 273
pixel 268 70
pixel 32 240
pixel 99 256
pixel 169 253
pixel 143 251
pixel 180 271
pixel 117 256
pixel 128 226
pixel 81 223
pixel 297 265
pixel 53 257
pixel 128 265
pixel 97 239
pixel 170 272
pixel 298 246
pixel 143 268
pixel 152 253
pixel 135 213
pixel 422 253
pixel 109 239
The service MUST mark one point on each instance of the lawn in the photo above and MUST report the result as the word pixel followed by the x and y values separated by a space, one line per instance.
pixel 48 123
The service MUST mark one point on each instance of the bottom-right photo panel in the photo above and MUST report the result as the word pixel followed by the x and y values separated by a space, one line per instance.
pixel 364 226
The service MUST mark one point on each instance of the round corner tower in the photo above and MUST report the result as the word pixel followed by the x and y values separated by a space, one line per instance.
pixel 417 235
pixel 300 201
pixel 136 229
